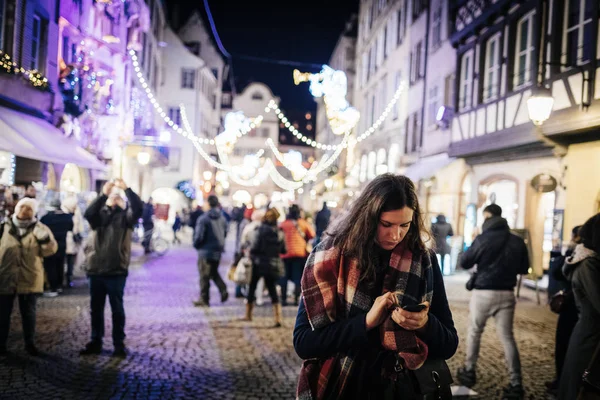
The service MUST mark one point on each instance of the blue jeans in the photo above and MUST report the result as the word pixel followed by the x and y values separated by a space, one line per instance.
pixel 294 266
pixel 114 287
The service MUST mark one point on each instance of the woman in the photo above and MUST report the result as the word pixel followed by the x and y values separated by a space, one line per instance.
pixel 297 233
pixel 74 237
pixel 356 339
pixel 24 242
pixel 267 245
pixel 583 270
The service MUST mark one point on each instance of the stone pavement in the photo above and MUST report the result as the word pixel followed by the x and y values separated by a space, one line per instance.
pixel 179 351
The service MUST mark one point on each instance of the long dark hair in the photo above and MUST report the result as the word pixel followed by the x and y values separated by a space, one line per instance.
pixel 590 233
pixel 356 232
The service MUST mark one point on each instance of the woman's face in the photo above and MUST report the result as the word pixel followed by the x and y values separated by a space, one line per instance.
pixel 25 213
pixel 393 227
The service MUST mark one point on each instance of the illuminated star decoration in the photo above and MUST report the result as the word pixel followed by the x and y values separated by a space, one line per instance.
pixel 332 85
pixel 234 123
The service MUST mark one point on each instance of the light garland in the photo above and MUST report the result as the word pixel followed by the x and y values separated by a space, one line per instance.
pixel 268 169
pixel 33 76
pixel 272 106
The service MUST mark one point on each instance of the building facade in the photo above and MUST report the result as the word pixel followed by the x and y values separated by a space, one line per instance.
pixel 537 174
pixel 192 82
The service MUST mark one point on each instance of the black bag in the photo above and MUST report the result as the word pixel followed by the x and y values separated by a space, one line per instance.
pixel 470 285
pixel 558 300
pixel 433 380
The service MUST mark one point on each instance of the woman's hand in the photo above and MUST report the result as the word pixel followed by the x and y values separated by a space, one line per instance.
pixel 411 321
pixel 379 310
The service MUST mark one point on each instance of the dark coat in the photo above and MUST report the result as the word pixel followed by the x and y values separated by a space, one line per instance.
pixel 209 235
pixel 111 250
pixel 147 216
pixel 266 247
pixel 60 224
pixel 500 256
pixel 440 231
pixel 322 220
pixel 583 269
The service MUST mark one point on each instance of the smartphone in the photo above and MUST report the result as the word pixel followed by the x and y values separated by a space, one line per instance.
pixel 414 307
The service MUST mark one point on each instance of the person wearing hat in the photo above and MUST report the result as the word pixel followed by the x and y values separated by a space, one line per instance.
pixel 60 223
pixel 24 241
pixel 267 244
pixel 112 222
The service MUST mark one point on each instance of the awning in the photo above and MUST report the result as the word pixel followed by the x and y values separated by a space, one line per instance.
pixel 426 167
pixel 30 137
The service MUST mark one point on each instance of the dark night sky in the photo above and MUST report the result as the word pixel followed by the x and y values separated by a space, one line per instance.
pixel 301 30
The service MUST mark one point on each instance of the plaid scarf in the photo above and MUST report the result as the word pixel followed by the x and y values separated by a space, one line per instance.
pixel 332 291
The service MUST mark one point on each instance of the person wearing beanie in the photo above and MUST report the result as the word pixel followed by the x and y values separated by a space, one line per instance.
pixel 500 256
pixel 24 242
pixel 209 240
pixel 60 223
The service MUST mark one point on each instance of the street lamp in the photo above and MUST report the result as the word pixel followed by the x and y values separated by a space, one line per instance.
pixel 540 105
pixel 143 157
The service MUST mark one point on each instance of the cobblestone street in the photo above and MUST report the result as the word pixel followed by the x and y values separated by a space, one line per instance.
pixel 179 351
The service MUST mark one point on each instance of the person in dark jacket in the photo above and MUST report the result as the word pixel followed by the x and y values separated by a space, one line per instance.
pixel 583 270
pixel 194 215
pixel 108 260
pixel 176 228
pixel 209 240
pixel 321 222
pixel 266 247
pixel 148 224
pixel 441 230
pixel 60 224
pixel 500 256
pixel 351 328
pixel 568 315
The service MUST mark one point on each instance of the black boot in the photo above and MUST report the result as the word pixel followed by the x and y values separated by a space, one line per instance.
pixel 91 348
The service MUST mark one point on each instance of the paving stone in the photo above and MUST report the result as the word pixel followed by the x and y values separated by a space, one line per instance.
pixel 178 351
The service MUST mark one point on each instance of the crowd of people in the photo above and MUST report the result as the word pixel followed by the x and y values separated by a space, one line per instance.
pixel 370 294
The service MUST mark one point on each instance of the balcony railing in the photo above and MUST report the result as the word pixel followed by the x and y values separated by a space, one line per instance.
pixel 15 88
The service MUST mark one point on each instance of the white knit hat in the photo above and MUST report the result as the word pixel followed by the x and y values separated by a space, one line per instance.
pixel 26 201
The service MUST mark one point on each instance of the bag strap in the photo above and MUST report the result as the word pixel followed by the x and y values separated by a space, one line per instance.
pixel 299 230
pixel 2 225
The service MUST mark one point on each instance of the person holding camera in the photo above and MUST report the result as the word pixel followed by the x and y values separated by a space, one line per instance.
pixel 500 256
pixel 112 223
pixel 374 320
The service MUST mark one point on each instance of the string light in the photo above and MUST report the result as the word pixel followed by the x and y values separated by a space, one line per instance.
pixel 33 76
pixel 272 106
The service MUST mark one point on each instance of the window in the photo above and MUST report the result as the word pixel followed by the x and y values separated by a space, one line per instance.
pixel 372 111
pixel 383 97
pixel 188 78
pixel 525 49
pixel 257 96
pixel 418 8
pixel 400 27
pixel 449 90
pixel 36 43
pixel 2 19
pixel 465 99
pixel 193 47
pixel 436 32
pixel 215 72
pixel 385 42
pixel 397 81
pixel 416 63
pixel 144 39
pixel 433 105
pixel 491 79
pixel 175 115
pixel 580 37
pixel 365 67
pixel 264 132
pixel 376 61
pixel 65 47
pixel 415 131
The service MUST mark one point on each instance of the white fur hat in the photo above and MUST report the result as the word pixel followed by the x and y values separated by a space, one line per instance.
pixel 26 201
